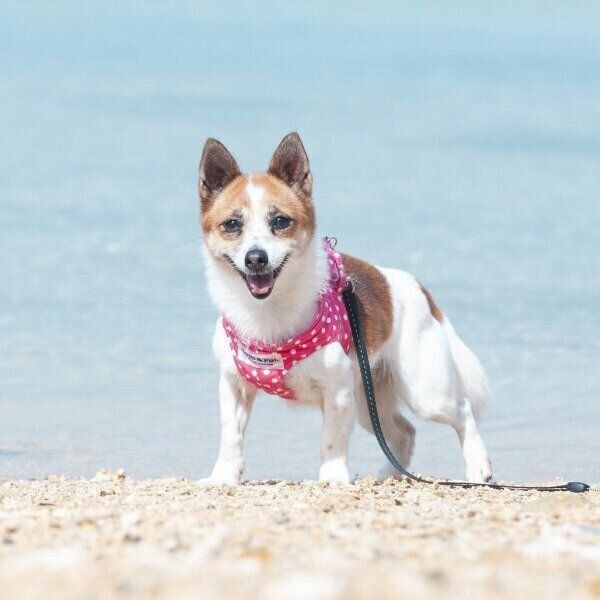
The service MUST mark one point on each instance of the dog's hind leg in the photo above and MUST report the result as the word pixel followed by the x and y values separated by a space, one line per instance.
pixel 436 392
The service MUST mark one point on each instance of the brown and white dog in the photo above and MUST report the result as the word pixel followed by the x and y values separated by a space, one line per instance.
pixel 266 268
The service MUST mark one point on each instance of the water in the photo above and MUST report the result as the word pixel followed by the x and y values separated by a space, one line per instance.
pixel 465 141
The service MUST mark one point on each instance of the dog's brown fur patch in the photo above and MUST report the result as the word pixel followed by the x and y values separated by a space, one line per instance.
pixel 234 199
pixel 436 313
pixel 374 301
pixel 280 196
pixel 222 206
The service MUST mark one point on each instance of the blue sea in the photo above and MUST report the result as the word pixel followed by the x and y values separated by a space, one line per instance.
pixel 458 141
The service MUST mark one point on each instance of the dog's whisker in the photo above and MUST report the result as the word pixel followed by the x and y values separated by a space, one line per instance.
pixel 188 242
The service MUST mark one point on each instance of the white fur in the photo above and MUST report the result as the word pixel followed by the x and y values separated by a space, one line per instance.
pixel 424 363
pixel 256 193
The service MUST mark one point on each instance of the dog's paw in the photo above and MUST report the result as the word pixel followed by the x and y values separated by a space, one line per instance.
pixel 214 481
pixel 334 473
pixel 480 471
pixel 388 471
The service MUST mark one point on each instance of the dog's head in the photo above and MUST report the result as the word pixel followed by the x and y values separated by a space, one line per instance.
pixel 254 224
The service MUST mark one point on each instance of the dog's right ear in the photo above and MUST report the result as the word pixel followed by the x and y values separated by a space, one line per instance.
pixel 217 169
pixel 290 164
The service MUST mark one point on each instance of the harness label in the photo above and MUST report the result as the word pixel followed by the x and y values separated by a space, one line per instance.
pixel 269 361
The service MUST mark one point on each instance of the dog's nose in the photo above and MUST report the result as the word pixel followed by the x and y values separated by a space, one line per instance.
pixel 256 259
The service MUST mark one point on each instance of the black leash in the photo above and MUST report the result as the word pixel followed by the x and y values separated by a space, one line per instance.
pixel 351 303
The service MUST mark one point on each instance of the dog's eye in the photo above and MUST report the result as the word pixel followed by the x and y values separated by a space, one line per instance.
pixel 280 222
pixel 232 226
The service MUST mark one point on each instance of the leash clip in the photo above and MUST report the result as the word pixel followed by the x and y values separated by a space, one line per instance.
pixel 577 487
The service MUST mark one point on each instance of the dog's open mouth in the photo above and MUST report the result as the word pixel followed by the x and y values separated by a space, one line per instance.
pixel 261 284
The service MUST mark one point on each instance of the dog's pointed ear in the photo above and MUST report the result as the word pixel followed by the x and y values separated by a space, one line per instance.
pixel 290 164
pixel 217 169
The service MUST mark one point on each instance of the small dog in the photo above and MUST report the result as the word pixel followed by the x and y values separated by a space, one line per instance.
pixel 284 328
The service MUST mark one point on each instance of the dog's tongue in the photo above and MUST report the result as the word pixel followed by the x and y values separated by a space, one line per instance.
pixel 260 284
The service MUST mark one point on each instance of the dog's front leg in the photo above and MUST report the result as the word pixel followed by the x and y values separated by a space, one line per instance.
pixel 236 399
pixel 338 422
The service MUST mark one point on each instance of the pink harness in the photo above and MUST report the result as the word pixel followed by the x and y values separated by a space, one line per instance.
pixel 265 365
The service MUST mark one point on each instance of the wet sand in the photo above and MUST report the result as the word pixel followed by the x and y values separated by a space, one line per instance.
pixel 113 536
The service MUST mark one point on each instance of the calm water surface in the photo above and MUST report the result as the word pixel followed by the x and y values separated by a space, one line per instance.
pixel 461 145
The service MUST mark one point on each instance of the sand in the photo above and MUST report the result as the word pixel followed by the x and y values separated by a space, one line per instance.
pixel 116 537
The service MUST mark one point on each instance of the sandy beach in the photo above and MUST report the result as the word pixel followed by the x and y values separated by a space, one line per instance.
pixel 113 536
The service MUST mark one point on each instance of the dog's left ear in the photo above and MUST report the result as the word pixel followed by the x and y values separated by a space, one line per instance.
pixel 217 170
pixel 290 164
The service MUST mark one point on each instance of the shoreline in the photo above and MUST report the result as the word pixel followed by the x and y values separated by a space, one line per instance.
pixel 116 537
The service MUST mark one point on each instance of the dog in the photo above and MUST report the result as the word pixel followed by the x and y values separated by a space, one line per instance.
pixel 275 282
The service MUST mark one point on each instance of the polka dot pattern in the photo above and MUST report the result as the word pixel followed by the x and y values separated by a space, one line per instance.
pixel 331 325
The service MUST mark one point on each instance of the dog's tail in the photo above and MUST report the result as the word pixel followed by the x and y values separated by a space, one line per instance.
pixel 473 381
